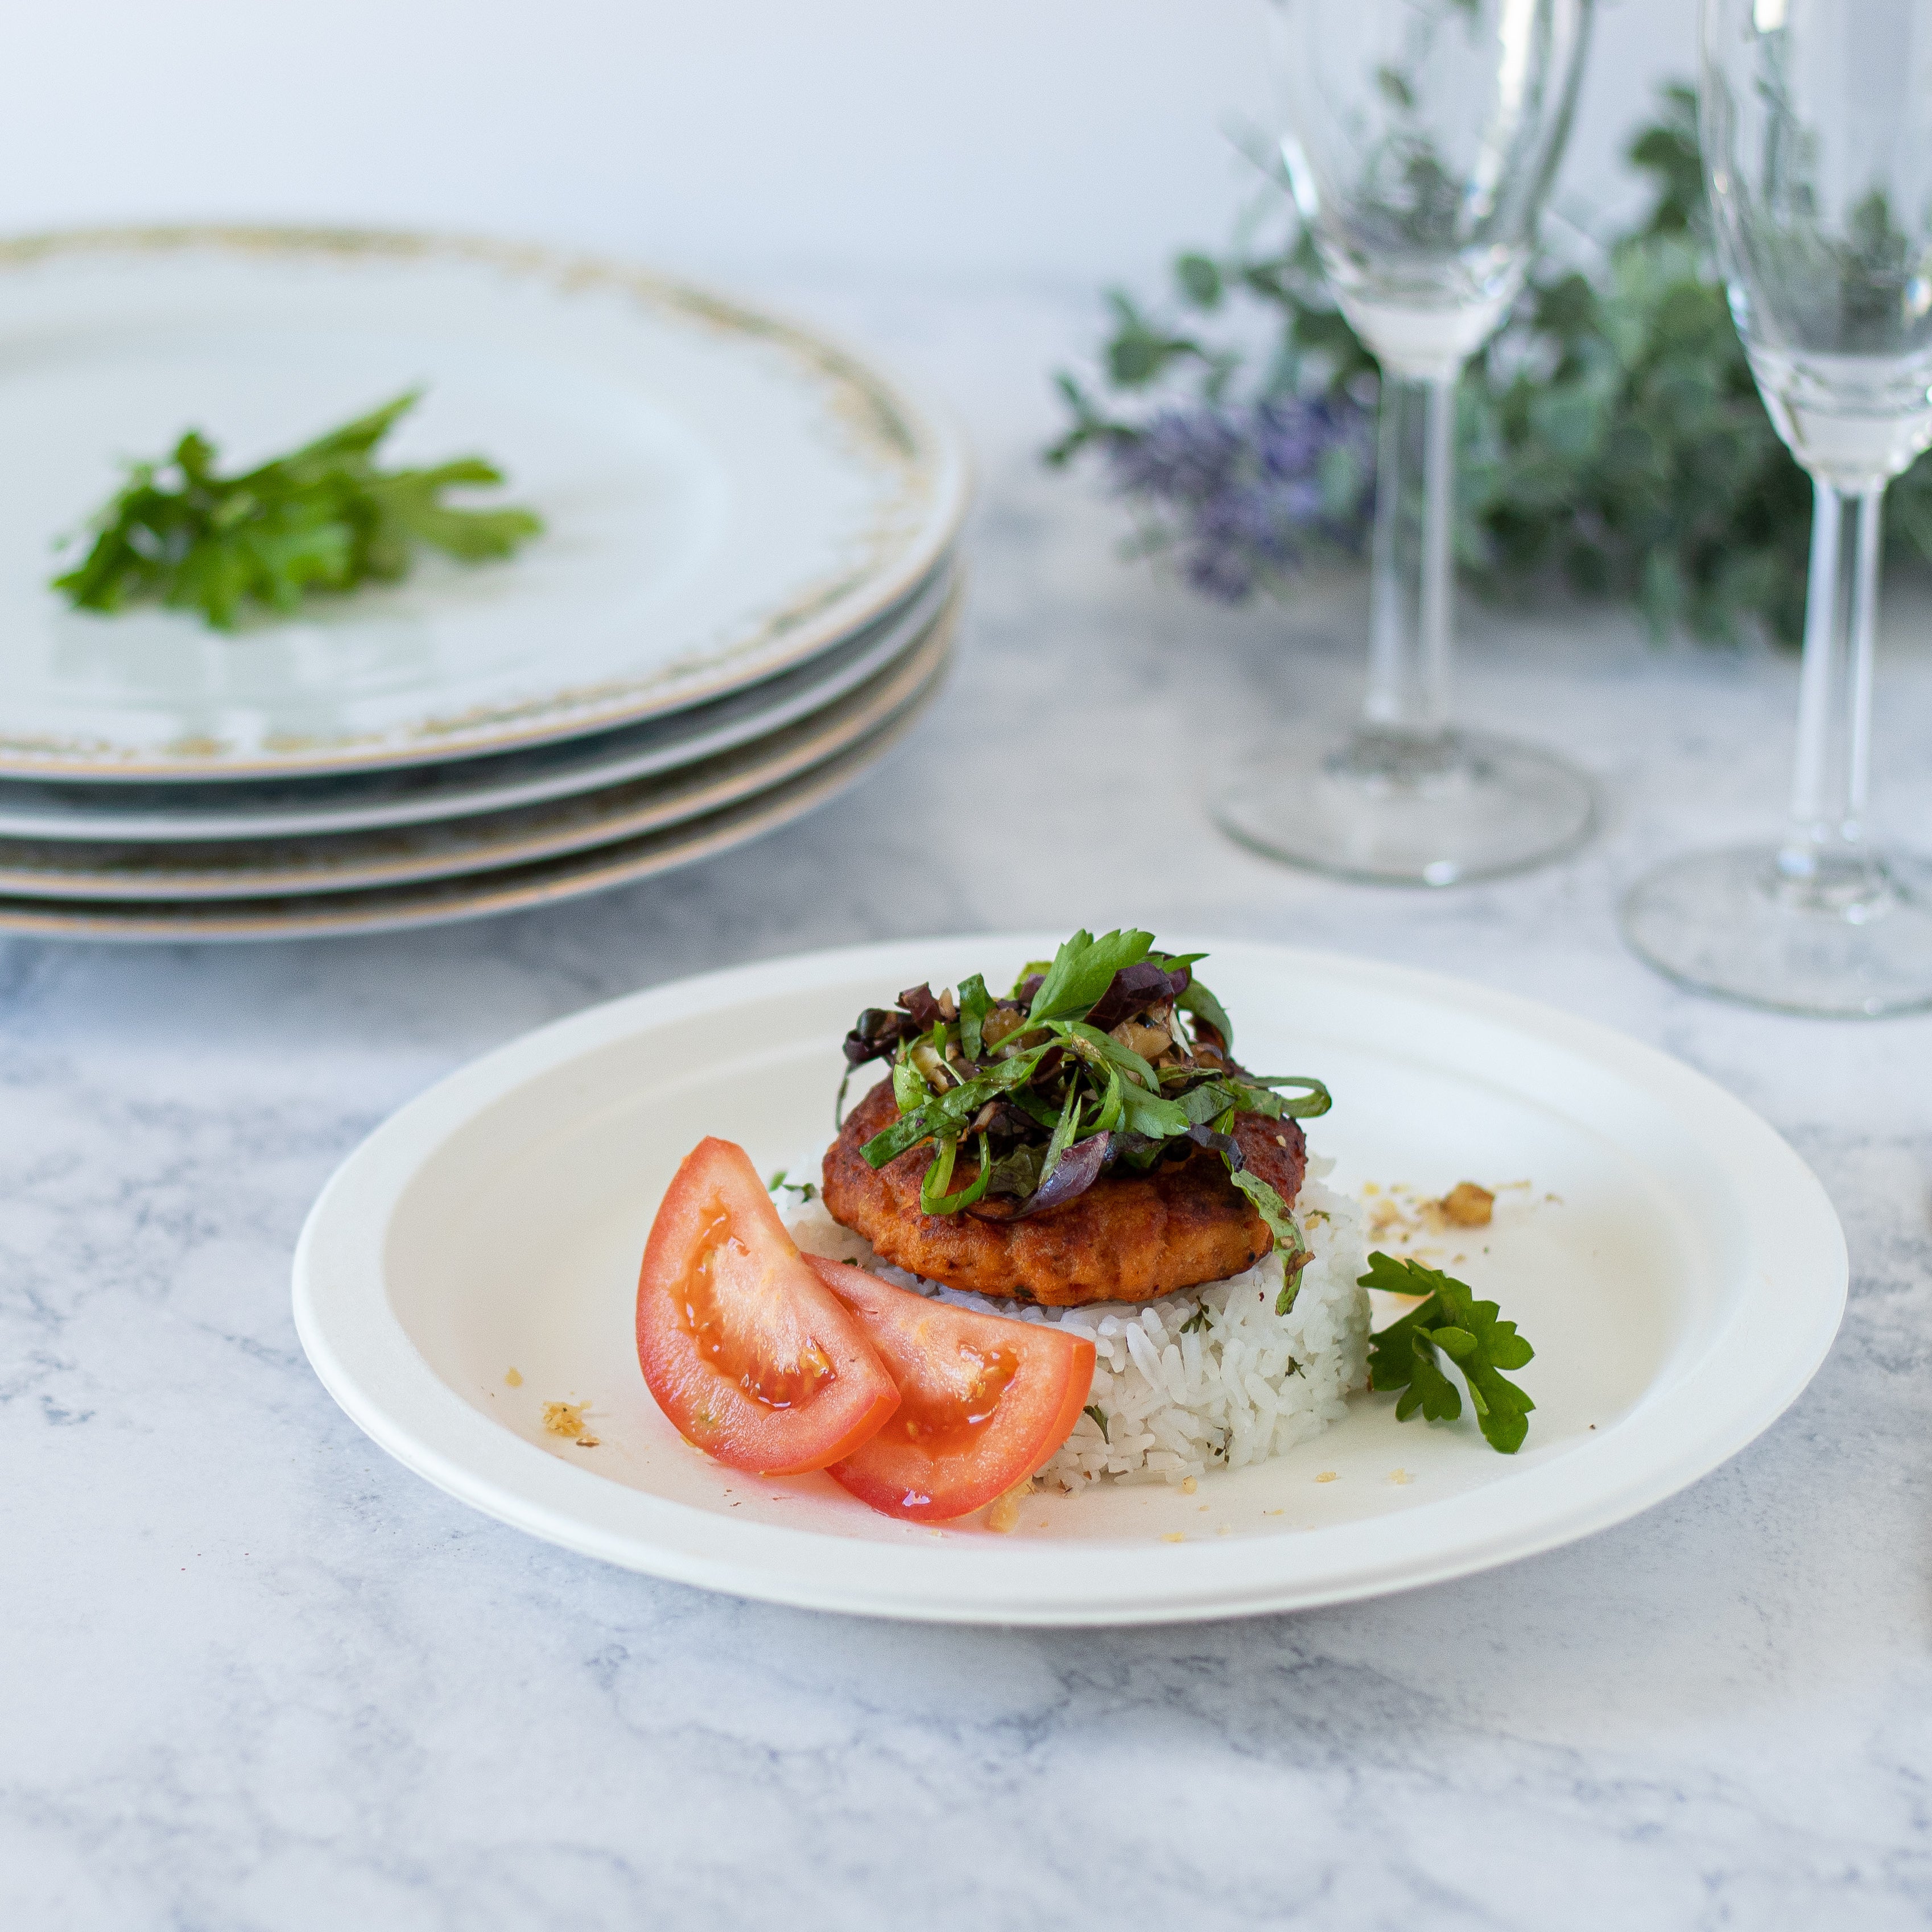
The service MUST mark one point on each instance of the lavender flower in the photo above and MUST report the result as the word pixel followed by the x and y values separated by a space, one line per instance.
pixel 1241 494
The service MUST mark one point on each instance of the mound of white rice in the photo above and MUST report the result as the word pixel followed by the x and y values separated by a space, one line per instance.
pixel 1209 1378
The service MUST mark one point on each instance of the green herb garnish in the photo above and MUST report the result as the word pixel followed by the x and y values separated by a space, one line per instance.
pixel 803 1190
pixel 1111 1054
pixel 1099 1416
pixel 320 521
pixel 1403 1355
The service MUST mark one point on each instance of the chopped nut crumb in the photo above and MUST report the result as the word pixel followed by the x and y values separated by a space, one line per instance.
pixel 1173 1536
pixel 1326 1476
pixel 1467 1205
pixel 1188 1486
pixel 1281 1140
pixel 565 1418
pixel 514 1380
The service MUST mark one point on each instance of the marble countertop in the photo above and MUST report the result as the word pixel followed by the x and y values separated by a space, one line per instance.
pixel 253 1674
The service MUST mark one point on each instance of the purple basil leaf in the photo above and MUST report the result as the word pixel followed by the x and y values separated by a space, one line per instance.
pixel 1226 1145
pixel 918 1001
pixel 1080 1166
pixel 1132 990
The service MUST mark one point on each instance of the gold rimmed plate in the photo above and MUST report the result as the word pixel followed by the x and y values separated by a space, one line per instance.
pixel 364 861
pixel 474 895
pixel 726 496
pixel 238 809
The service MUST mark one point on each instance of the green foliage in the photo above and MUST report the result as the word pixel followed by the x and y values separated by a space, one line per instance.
pixel 1610 436
pixel 1083 969
pixel 321 520
pixel 1065 1099
pixel 1404 1355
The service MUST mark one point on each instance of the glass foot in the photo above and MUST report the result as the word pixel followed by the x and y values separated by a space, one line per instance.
pixel 1396 809
pixel 1855 943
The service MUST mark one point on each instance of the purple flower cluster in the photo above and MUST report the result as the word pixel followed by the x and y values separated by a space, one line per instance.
pixel 1241 494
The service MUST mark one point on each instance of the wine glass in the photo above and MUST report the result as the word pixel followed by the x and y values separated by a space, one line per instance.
pixel 1816 119
pixel 1420 137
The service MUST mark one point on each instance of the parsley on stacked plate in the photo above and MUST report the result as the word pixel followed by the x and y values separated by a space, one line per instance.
pixel 743 593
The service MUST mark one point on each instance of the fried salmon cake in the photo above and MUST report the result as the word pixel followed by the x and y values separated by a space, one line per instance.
pixel 1130 1237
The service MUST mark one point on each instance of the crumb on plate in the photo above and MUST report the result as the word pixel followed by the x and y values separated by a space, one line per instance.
pixel 565 1418
pixel 1003 1514
pixel 1467 1205
pixel 512 1378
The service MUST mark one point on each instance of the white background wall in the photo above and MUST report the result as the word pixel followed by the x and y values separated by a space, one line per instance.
pixel 1061 141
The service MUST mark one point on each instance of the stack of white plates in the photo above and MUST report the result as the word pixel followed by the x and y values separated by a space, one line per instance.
pixel 745 592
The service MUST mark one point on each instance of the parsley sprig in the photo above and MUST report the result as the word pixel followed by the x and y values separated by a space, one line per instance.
pixel 321 520
pixel 1405 1356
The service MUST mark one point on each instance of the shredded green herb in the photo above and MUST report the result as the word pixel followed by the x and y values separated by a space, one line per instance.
pixel 803 1190
pixel 1099 1416
pixel 1404 1355
pixel 1110 1056
pixel 318 521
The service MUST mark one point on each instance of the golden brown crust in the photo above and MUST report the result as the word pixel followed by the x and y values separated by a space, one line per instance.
pixel 1130 1237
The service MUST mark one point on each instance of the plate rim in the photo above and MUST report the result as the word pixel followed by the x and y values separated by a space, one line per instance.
pixel 759 766
pixel 598 764
pixel 533 1492
pixel 485 895
pixel 944 455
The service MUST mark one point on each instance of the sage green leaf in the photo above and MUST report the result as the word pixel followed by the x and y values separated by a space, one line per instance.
pixel 972 1004
pixel 1111 1052
pixel 910 1091
pixel 933 1198
pixel 1082 971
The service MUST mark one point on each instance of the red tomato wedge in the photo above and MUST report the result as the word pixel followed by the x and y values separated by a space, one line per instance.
pixel 752 1357
pixel 983 1400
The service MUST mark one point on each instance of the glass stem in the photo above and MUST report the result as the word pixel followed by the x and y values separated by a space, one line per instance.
pixel 1412 580
pixel 1825 855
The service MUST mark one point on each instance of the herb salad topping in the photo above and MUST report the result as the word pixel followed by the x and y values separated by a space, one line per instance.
pixel 1111 1055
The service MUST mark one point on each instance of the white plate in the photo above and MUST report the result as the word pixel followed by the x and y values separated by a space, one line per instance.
pixel 726 495
pixel 359 862
pixel 445 900
pixel 179 813
pixel 1679 1294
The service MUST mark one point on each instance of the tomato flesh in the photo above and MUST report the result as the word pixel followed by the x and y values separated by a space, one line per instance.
pixel 751 1356
pixel 984 1400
